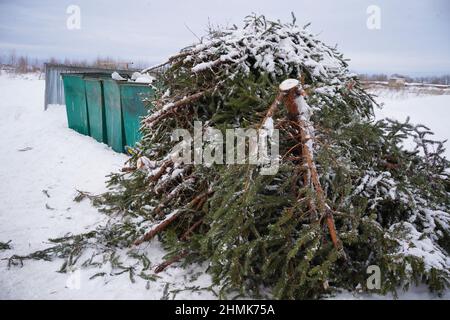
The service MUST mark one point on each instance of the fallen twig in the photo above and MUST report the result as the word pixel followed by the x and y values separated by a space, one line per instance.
pixel 161 267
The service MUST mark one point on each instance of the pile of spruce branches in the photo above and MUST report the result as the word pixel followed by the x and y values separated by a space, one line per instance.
pixel 360 199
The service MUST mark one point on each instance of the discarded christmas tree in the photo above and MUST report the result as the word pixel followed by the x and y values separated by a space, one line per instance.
pixel 347 193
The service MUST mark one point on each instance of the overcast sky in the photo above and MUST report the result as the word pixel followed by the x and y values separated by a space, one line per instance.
pixel 414 37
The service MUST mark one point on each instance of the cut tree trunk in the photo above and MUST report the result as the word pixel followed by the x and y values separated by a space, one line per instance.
pixel 291 89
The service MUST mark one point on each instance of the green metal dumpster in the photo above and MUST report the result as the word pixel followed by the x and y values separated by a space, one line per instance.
pixel 108 110
pixel 96 106
pixel 113 114
pixel 76 108
pixel 133 98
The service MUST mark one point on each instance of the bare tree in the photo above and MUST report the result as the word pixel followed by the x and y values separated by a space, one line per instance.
pixel 22 64
pixel 12 58
pixel 35 65
pixel 373 77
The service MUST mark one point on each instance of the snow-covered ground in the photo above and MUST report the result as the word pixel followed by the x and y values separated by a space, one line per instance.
pixel 430 110
pixel 42 163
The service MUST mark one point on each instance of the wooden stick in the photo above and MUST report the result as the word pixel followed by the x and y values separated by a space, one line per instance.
pixel 170 60
pixel 155 67
pixel 185 235
pixel 161 267
pixel 153 232
pixel 332 230
pixel 294 116
pixel 272 109
pixel 169 108
pixel 194 203
pixel 198 199
pixel 161 170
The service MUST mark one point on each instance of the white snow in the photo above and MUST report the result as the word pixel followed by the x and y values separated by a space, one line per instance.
pixel 135 75
pixel 145 79
pixel 202 66
pixel 305 111
pixel 43 163
pixel 142 77
pixel 268 125
pixel 116 76
pixel 288 84
pixel 417 245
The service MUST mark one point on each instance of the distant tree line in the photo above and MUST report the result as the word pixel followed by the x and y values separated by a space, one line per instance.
pixel 20 63
pixel 23 64
pixel 444 79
